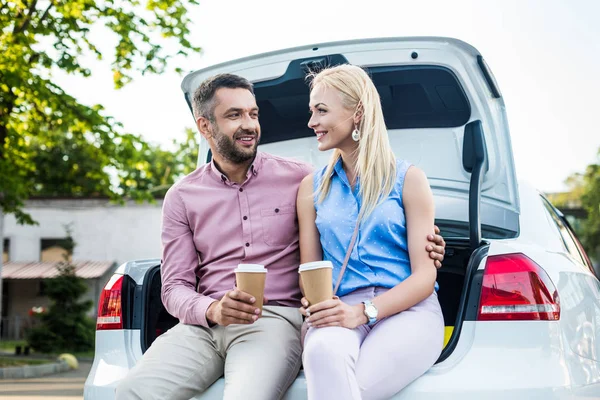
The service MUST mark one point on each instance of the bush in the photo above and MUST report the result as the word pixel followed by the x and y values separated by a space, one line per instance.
pixel 65 327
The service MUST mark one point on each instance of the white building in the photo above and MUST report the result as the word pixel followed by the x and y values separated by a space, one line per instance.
pixel 105 235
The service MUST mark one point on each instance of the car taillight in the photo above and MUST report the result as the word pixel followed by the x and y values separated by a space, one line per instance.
pixel 109 307
pixel 516 288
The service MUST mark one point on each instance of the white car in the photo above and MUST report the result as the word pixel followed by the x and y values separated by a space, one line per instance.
pixel 520 298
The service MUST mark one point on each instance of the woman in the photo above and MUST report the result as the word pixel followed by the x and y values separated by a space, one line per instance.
pixel 386 327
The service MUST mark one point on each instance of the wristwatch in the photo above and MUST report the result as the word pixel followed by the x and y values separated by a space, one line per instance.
pixel 370 312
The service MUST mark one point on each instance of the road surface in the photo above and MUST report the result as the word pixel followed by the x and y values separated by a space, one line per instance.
pixel 64 386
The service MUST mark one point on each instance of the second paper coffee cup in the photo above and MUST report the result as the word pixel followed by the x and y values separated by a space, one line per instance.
pixel 316 281
pixel 251 278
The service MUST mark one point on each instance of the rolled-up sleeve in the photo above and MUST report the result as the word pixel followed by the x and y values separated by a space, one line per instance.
pixel 179 263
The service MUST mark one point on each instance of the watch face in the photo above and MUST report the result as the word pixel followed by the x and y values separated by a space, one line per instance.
pixel 371 311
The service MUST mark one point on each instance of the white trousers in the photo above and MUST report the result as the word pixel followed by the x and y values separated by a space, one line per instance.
pixel 373 363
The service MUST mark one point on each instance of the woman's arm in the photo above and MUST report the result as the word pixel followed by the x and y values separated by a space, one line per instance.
pixel 420 212
pixel 310 245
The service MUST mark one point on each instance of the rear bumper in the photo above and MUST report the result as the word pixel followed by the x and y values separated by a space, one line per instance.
pixel 519 360
pixel 91 392
pixel 516 360
pixel 116 353
pixel 425 389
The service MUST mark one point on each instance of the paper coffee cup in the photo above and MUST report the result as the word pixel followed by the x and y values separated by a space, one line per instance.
pixel 251 278
pixel 317 281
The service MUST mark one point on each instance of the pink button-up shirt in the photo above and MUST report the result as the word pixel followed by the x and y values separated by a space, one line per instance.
pixel 211 224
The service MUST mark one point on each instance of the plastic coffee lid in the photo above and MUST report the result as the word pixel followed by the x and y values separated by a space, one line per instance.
pixel 314 265
pixel 250 268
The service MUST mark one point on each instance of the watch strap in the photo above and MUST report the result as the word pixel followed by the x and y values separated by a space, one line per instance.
pixel 372 321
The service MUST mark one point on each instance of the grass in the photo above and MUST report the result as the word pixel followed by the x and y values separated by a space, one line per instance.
pixel 86 354
pixel 8 346
pixel 18 362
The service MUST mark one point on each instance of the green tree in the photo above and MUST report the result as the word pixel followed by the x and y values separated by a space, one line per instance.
pixel 71 166
pixel 153 169
pixel 584 192
pixel 65 327
pixel 590 200
pixel 571 197
pixel 39 37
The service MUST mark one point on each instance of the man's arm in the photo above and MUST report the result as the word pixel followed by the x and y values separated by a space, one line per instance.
pixel 180 259
pixel 179 262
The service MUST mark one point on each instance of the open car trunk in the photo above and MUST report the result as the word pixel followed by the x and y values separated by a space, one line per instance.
pixel 444 114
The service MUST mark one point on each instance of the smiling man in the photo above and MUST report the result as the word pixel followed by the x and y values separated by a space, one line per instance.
pixel 239 208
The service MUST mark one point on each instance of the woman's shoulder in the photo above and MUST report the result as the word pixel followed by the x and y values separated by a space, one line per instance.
pixel 402 164
pixel 402 168
pixel 308 180
pixel 317 175
pixel 305 191
pixel 414 174
pixel 416 190
pixel 410 178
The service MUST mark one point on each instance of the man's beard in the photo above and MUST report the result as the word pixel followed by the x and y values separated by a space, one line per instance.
pixel 227 148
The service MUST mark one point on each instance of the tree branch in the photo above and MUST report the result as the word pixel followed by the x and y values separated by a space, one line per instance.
pixel 33 59
pixel 45 14
pixel 27 19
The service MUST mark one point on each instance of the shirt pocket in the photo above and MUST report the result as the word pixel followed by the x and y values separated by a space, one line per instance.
pixel 280 226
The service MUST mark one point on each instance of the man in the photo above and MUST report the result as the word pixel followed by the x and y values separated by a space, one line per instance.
pixel 239 208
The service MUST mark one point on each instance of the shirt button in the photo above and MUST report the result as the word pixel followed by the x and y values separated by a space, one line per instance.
pixel 241 189
pixel 247 244
pixel 245 218
pixel 277 210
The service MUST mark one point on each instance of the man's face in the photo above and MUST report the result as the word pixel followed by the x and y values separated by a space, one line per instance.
pixel 235 131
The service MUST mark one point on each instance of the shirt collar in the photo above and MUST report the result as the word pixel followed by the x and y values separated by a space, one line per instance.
pixel 252 171
pixel 338 169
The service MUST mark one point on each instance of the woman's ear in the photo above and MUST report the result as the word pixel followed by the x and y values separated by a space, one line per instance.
pixel 358 114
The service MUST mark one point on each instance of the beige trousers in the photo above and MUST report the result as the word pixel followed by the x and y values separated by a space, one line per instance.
pixel 260 361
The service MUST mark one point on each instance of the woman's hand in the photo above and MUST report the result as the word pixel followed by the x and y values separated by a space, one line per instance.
pixel 333 312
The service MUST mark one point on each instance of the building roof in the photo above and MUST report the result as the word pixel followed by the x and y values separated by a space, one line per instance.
pixel 42 270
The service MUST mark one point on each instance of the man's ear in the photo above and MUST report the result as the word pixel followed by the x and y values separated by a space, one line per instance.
pixel 204 127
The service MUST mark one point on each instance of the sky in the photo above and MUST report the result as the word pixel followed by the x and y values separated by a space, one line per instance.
pixel 545 55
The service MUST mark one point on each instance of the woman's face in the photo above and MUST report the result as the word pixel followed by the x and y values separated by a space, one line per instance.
pixel 330 120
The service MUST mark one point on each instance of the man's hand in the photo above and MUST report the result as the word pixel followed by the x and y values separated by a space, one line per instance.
pixel 234 308
pixel 438 248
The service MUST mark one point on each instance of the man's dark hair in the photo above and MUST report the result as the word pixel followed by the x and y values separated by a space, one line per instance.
pixel 204 97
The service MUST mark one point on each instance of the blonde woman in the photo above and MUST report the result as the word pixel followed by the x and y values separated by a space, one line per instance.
pixel 386 327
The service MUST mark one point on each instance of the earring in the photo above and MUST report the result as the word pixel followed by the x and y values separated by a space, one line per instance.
pixel 355 135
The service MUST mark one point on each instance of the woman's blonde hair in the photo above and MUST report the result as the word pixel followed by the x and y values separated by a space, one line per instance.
pixel 376 163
